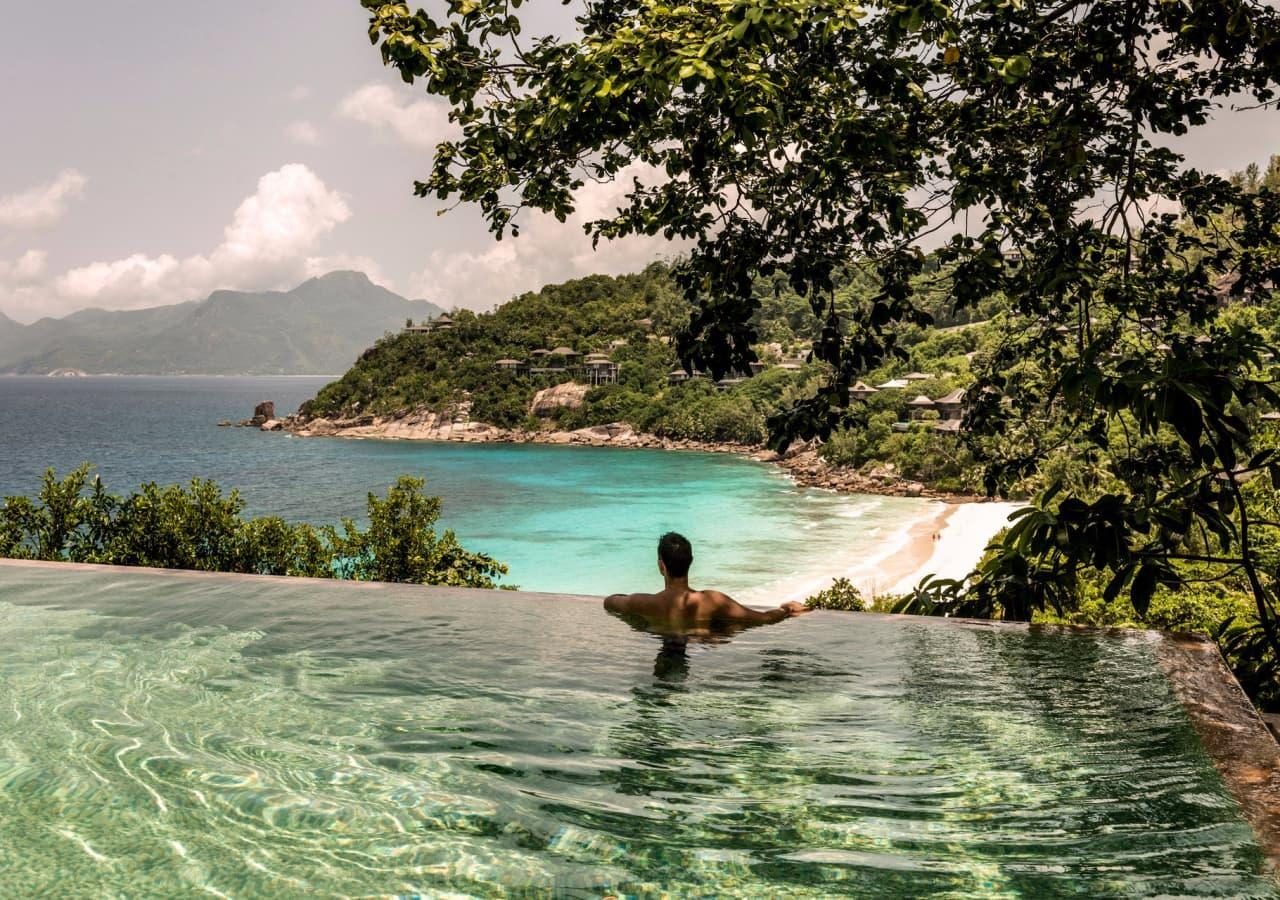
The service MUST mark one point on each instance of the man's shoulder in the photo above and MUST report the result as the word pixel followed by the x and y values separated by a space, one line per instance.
pixel 625 602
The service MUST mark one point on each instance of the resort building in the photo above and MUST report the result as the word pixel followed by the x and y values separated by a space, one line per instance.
pixel 680 376
pixel 510 366
pixel 441 323
pixel 919 406
pixel 600 370
pixel 893 384
pixel 951 407
pixel 861 391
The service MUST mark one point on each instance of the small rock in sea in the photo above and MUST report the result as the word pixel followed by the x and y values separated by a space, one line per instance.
pixel 225 423
pixel 272 425
pixel 263 412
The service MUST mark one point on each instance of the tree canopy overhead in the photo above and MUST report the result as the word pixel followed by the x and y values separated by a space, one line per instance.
pixel 802 137
pixel 798 135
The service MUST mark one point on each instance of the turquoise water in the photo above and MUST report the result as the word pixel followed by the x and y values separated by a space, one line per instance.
pixel 171 735
pixel 570 519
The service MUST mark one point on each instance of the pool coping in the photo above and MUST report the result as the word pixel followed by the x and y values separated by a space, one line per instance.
pixel 1231 729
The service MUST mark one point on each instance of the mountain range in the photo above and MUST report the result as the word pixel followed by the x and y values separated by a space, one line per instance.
pixel 318 328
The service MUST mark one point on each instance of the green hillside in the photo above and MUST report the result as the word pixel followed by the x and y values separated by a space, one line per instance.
pixel 631 320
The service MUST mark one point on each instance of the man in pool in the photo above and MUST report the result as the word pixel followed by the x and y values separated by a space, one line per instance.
pixel 680 605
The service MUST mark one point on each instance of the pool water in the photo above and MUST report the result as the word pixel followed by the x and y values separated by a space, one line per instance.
pixel 176 735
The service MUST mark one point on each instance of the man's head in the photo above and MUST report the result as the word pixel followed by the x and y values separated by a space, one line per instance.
pixel 675 555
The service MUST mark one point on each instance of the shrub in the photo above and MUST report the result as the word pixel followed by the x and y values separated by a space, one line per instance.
pixel 840 595
pixel 200 528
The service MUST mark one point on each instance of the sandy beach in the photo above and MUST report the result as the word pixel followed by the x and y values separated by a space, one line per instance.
pixel 946 541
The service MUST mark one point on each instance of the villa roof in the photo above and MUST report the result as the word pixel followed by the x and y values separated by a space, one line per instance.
pixel 507 362
pixel 539 352
pixel 862 387
pixel 565 351
pixel 947 425
pixel 443 319
pixel 1271 417
pixel 893 383
pixel 921 400
pixel 917 376
pixel 956 396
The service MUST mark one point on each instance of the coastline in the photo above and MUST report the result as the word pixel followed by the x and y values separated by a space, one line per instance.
pixel 802 462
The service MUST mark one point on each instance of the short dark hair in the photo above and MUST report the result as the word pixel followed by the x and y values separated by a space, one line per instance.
pixel 676 554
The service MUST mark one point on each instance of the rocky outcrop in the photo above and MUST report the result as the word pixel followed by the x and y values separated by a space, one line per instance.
pixel 263 411
pixel 811 470
pixel 568 395
pixel 263 414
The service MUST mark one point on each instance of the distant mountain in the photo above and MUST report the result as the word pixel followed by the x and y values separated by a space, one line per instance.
pixel 318 328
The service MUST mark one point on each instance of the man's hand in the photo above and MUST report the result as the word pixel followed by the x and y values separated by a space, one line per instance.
pixel 794 608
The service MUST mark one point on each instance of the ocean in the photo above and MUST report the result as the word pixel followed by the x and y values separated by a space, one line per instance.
pixel 568 519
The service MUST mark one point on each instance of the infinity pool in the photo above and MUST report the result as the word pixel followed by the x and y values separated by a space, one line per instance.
pixel 166 735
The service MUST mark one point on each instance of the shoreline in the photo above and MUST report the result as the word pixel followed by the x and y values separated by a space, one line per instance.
pixel 802 462
pixel 947 540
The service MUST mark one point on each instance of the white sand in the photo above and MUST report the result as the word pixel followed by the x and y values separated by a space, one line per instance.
pixel 961 543
pixel 903 557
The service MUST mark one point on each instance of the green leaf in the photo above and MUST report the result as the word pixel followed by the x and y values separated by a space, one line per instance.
pixel 1144 586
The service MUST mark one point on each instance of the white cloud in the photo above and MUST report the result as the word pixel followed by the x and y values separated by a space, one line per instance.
pixel 26 269
pixel 302 132
pixel 268 244
pixel 43 204
pixel 299 93
pixel 418 123
pixel 547 251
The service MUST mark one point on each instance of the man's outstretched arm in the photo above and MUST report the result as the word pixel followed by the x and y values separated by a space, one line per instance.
pixel 730 610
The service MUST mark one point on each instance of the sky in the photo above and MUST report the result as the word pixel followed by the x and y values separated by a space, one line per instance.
pixel 154 153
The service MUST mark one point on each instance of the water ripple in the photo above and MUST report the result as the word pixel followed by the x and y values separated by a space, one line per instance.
pixel 357 751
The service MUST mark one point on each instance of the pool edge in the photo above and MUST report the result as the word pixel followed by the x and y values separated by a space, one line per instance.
pixel 1232 731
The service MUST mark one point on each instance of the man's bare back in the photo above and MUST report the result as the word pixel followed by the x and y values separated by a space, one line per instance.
pixel 678 604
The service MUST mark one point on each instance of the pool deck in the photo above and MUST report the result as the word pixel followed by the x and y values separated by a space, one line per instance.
pixel 1230 727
